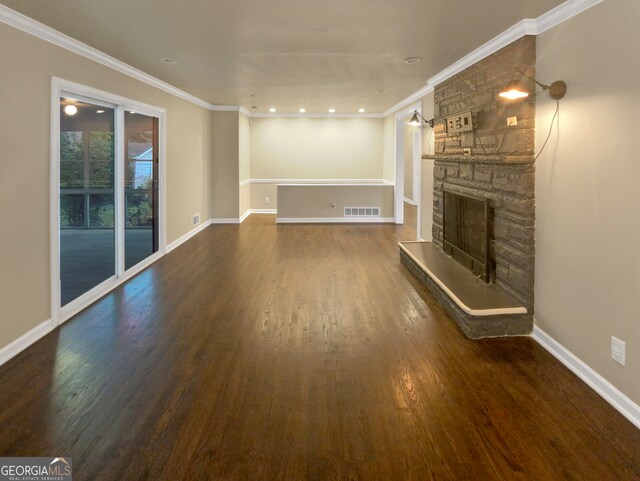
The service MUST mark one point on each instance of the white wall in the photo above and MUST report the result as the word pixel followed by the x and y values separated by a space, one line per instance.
pixel 587 284
pixel 313 148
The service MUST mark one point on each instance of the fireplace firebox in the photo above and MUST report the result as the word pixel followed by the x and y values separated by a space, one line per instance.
pixel 468 231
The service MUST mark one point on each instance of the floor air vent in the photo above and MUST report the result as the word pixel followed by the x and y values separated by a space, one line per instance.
pixel 362 211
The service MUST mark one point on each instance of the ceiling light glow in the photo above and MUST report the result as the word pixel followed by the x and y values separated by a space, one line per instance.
pixel 332 111
pixel 361 111
pixel 272 110
pixel 302 110
pixel 70 110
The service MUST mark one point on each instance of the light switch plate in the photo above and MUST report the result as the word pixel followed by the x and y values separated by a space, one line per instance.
pixel 618 348
pixel 512 121
pixel 462 122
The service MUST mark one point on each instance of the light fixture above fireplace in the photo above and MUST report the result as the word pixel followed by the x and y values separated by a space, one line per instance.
pixel 416 122
pixel 516 89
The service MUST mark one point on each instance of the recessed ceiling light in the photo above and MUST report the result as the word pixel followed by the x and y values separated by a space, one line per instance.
pixel 331 111
pixel 170 61
pixel 381 91
pixel 272 110
pixel 70 110
pixel 254 107
pixel 410 60
pixel 99 111
pixel 252 95
pixel 361 111
pixel 303 110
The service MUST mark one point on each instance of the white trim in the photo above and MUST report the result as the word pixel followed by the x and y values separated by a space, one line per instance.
pixel 24 341
pixel 544 22
pixel 409 201
pixel 37 29
pixel 245 182
pixel 184 238
pixel 513 33
pixel 60 314
pixel 320 181
pixel 242 218
pixel 562 13
pixel 595 381
pixel 414 97
pixel 264 211
pixel 336 184
pixel 536 26
pixel 317 116
pixel 225 220
pixel 334 220
pixel 454 298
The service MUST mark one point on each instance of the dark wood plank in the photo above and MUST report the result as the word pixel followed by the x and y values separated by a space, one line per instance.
pixel 301 352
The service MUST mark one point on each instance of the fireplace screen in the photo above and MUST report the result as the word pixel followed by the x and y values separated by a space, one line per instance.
pixel 467 232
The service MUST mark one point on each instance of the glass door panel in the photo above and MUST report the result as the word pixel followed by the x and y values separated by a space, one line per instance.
pixel 87 223
pixel 140 187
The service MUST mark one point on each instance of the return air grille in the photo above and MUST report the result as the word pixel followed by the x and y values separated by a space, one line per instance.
pixel 362 211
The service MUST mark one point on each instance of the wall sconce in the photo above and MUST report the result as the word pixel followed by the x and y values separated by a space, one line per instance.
pixel 516 90
pixel 415 121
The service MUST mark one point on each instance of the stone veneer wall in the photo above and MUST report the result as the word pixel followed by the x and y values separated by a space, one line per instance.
pixel 500 166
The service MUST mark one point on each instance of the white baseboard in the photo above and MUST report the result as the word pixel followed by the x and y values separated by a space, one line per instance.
pixel 244 216
pixel 334 220
pixel 409 201
pixel 187 236
pixel 24 341
pixel 595 381
pixel 264 211
pixel 225 220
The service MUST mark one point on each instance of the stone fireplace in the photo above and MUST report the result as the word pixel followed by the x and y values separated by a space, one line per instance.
pixel 493 165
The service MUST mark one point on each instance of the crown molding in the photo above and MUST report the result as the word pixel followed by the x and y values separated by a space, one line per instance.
pixel 544 22
pixel 319 116
pixel 562 13
pixel 414 97
pixel 37 29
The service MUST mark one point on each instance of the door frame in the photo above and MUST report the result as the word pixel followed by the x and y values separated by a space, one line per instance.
pixel 401 119
pixel 60 314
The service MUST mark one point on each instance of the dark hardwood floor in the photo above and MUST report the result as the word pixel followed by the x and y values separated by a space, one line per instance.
pixel 299 352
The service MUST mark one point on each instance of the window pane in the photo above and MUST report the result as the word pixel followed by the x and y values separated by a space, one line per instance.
pixel 87 235
pixel 101 146
pixel 71 145
pixel 101 212
pixel 71 175
pixel 72 210
pixel 101 174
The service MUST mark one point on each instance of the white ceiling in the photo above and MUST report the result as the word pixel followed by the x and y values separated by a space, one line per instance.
pixel 288 53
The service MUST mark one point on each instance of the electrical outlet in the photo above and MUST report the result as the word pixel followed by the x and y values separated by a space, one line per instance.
pixel 512 121
pixel 195 219
pixel 267 200
pixel 617 350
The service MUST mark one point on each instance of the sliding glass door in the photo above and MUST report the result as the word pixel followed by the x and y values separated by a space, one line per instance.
pixel 141 187
pixel 87 222
pixel 107 188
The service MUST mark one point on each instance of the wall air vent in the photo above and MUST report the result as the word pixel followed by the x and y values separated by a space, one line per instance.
pixel 362 211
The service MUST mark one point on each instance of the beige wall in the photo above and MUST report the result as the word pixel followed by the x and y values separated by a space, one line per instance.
pixel 312 148
pixel 316 148
pixel 587 194
pixel 244 139
pixel 389 149
pixel 389 166
pixel 28 64
pixel 225 165
pixel 260 193
pixel 313 201
pixel 408 131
